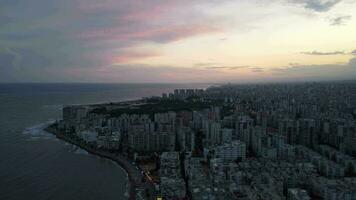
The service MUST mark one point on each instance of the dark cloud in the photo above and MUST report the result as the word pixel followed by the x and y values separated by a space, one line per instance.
pixel 317 5
pixel 77 40
pixel 22 65
pixel 28 35
pixel 7 61
pixel 338 21
pixel 318 53
pixel 79 35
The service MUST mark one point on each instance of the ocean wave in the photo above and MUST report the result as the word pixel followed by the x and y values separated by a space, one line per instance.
pixel 58 107
pixel 127 193
pixel 78 150
pixel 127 189
pixel 37 131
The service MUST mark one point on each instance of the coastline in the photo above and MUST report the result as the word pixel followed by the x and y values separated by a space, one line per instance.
pixel 133 178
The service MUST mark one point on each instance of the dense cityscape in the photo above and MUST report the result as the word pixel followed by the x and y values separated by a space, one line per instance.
pixel 178 99
pixel 262 141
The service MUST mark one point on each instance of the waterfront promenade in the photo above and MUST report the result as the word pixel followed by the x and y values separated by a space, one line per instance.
pixel 134 174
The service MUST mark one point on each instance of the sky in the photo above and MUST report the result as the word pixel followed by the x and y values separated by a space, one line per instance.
pixel 178 41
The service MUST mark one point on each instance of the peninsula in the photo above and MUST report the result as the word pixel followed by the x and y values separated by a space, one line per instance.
pixel 261 141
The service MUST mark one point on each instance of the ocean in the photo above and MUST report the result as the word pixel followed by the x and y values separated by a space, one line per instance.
pixel 36 165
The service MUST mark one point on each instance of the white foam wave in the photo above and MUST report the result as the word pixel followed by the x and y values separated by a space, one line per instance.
pixel 80 151
pixel 36 132
pixel 57 107
pixel 127 194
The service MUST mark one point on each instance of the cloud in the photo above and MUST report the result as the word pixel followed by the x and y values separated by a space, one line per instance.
pixel 132 22
pixel 148 73
pixel 79 40
pixel 257 69
pixel 154 34
pixel 8 61
pixel 206 64
pixel 22 65
pixel 133 56
pixel 318 53
pixel 317 72
pixel 89 33
pixel 214 66
pixel 317 5
pixel 227 67
pixel 218 66
pixel 338 21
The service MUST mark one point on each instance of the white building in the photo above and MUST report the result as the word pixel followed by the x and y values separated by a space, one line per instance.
pixel 286 151
pixel 169 165
pixel 212 132
pixel 109 141
pixel 172 188
pixel 229 151
pixel 226 135
pixel 297 194
pixel 88 135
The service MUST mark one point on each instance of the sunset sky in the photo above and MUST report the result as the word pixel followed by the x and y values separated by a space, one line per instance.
pixel 177 40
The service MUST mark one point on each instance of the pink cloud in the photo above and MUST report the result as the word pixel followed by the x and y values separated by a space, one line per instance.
pixel 125 24
pixel 128 5
pixel 154 20
pixel 110 26
pixel 132 56
pixel 159 34
pixel 154 12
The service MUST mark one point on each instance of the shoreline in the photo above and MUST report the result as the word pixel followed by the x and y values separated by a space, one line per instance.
pixel 123 162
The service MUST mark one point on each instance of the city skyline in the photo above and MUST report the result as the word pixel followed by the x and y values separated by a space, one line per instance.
pixel 272 141
pixel 177 41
